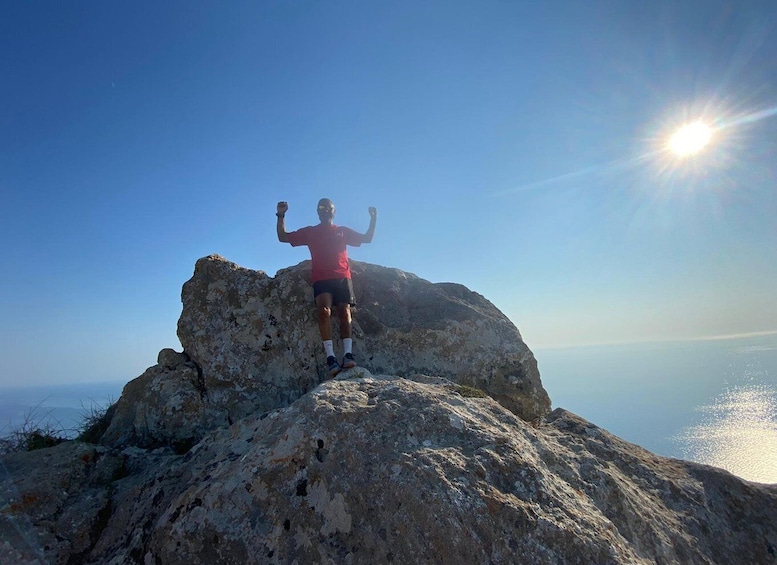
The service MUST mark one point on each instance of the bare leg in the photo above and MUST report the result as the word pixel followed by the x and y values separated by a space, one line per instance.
pixel 344 313
pixel 324 304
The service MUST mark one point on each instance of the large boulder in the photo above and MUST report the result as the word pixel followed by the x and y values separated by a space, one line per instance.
pixel 379 470
pixel 251 344
pixel 218 455
pixel 166 405
pixel 406 325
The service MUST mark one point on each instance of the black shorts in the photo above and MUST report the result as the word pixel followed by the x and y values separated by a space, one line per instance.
pixel 340 289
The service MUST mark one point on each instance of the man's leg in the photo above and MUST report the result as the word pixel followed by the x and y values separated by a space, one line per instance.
pixel 324 305
pixel 344 313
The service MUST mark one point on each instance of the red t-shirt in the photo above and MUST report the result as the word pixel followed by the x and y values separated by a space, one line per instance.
pixel 327 249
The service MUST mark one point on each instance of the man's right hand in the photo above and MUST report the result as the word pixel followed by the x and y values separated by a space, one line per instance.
pixel 283 208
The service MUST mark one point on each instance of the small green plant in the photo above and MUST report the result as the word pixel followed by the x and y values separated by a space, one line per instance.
pixel 470 392
pixel 96 421
pixel 35 432
pixel 41 438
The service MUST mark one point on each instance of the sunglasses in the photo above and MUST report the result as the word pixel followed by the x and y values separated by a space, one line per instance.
pixel 326 208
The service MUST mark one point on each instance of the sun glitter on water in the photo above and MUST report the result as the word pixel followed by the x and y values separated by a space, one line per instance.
pixel 740 434
pixel 690 139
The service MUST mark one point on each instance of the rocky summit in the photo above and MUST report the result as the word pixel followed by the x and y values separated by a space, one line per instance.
pixel 440 448
pixel 251 344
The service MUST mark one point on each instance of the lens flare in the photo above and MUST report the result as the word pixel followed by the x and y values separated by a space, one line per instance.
pixel 690 139
pixel 668 155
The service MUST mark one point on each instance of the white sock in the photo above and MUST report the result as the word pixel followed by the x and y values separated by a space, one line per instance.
pixel 329 348
pixel 347 345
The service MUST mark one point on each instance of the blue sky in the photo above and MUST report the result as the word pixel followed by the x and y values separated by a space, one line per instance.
pixel 515 147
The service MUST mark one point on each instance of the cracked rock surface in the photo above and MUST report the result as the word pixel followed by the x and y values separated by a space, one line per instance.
pixel 251 344
pixel 383 469
pixel 439 448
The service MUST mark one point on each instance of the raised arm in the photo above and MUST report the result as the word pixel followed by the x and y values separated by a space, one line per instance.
pixel 283 207
pixel 371 230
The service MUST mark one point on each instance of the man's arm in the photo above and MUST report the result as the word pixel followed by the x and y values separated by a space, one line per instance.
pixel 367 237
pixel 283 236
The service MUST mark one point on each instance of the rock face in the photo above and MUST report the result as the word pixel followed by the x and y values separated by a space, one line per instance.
pixel 251 345
pixel 238 451
pixel 381 469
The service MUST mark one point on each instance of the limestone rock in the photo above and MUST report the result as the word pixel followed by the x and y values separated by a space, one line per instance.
pixel 170 358
pixel 406 325
pixel 251 344
pixel 54 502
pixel 239 451
pixel 164 406
pixel 256 337
pixel 382 469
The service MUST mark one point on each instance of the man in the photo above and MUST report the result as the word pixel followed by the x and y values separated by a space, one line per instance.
pixel 331 273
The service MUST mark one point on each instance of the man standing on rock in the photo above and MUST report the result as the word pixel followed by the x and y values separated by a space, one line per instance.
pixel 331 273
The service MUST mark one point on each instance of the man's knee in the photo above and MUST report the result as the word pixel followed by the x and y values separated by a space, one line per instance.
pixel 324 312
pixel 344 310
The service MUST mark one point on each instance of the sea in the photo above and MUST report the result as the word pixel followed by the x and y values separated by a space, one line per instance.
pixel 61 409
pixel 709 401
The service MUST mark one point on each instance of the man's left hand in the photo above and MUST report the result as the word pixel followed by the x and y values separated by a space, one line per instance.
pixel 373 212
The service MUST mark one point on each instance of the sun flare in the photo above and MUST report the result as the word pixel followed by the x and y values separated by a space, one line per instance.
pixel 690 139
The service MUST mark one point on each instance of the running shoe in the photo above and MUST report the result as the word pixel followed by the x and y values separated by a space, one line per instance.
pixel 334 366
pixel 348 361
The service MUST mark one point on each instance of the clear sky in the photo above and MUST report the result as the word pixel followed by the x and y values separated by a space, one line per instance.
pixel 518 148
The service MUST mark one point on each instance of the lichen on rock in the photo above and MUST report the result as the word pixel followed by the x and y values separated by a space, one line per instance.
pixel 251 345
pixel 437 449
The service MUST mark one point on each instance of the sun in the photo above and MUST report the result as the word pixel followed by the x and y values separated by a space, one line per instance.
pixel 690 139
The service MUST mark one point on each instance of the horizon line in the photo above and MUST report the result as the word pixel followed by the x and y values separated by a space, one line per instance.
pixel 719 337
